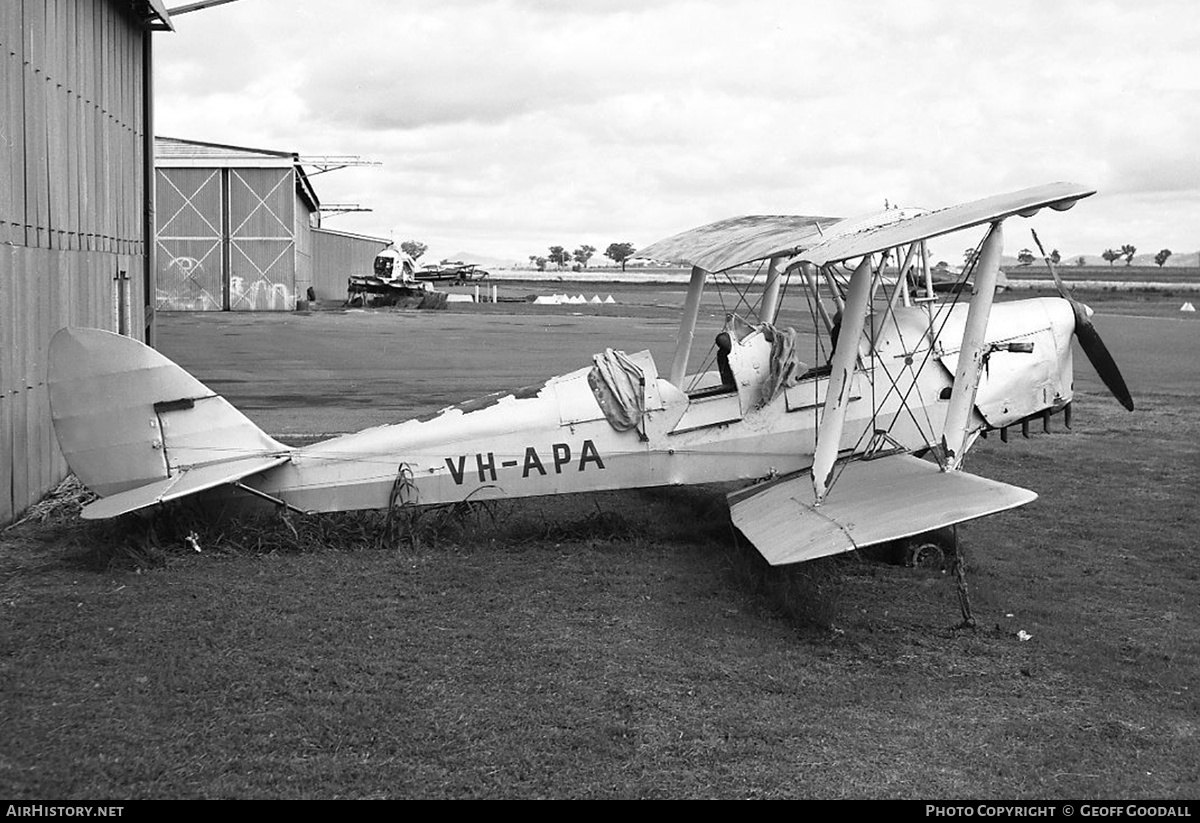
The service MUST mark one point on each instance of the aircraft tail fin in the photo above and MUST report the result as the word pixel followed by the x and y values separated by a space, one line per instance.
pixel 129 419
pixel 873 501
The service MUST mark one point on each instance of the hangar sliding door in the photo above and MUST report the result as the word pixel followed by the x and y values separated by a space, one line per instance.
pixel 190 268
pixel 262 248
pixel 226 239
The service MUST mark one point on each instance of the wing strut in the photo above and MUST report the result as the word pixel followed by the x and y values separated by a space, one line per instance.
pixel 770 298
pixel 956 430
pixel 687 326
pixel 814 288
pixel 837 398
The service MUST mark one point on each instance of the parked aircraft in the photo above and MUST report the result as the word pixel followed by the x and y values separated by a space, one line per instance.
pixel 454 271
pixel 858 442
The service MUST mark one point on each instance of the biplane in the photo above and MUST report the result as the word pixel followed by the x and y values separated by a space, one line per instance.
pixel 454 271
pixel 857 442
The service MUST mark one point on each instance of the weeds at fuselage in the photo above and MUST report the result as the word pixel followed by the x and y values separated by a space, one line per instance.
pixel 695 517
pixel 148 540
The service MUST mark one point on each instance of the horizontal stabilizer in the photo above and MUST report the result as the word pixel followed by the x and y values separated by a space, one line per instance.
pixel 180 485
pixel 872 501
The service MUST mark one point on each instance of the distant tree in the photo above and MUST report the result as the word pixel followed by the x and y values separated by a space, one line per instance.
pixel 1025 257
pixel 619 253
pixel 540 262
pixel 414 248
pixel 533 259
pixel 969 257
pixel 1128 251
pixel 1161 257
pixel 1081 260
pixel 559 256
pixel 583 254
pixel 1111 256
pixel 1055 257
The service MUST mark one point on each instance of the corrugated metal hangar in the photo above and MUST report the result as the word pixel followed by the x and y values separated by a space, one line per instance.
pixel 239 230
pixel 76 163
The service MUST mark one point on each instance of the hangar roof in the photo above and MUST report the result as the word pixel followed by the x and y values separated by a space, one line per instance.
pixel 174 152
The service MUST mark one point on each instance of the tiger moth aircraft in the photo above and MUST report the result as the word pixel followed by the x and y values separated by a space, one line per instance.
pixel 861 444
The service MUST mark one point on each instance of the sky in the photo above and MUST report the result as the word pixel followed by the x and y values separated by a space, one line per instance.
pixel 504 127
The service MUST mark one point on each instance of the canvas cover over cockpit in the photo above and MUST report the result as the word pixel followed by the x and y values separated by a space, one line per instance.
pixel 619 384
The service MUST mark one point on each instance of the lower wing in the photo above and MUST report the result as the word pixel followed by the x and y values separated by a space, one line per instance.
pixel 873 501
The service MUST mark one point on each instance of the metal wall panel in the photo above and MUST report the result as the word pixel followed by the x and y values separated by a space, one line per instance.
pixel 338 256
pixel 18 436
pixel 11 150
pixel 8 310
pixel 304 248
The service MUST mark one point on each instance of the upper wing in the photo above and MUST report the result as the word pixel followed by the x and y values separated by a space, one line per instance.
pixel 844 246
pixel 738 240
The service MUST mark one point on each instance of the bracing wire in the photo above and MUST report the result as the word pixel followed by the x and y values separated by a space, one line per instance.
pixel 710 355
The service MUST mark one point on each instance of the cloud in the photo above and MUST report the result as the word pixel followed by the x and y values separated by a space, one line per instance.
pixel 531 122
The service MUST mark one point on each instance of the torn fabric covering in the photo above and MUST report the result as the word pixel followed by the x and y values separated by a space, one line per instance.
pixel 619 386
pixel 786 367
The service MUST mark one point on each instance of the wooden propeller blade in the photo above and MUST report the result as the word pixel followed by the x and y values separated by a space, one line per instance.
pixel 1089 339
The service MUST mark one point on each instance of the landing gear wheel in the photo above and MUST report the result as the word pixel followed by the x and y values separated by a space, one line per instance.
pixel 924 554
pixel 935 549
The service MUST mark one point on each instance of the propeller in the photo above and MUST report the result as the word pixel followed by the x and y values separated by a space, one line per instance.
pixel 1089 338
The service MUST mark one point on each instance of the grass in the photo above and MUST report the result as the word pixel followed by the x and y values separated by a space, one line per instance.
pixel 620 647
